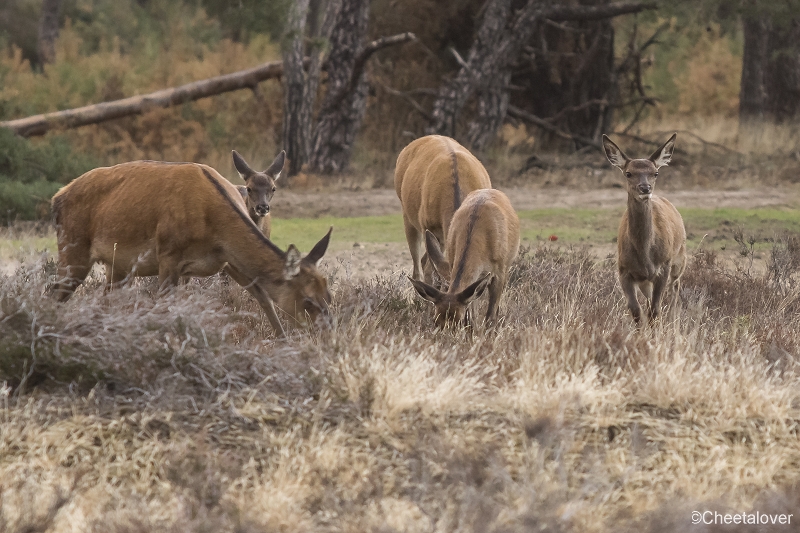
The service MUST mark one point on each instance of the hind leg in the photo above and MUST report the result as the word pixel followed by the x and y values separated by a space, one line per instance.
pixel 415 246
pixel 74 264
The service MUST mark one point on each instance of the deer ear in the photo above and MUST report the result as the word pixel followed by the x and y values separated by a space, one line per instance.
pixel 436 257
pixel 474 290
pixel 291 267
pixel 276 167
pixel 616 156
pixel 663 155
pixel 431 294
pixel 319 249
pixel 241 165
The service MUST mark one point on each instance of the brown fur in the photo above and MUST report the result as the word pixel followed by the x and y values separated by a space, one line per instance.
pixel 432 175
pixel 481 246
pixel 259 188
pixel 651 243
pixel 150 218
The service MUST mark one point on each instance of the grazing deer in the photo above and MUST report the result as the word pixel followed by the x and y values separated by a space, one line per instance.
pixel 151 218
pixel 482 243
pixel 432 176
pixel 259 189
pixel 651 243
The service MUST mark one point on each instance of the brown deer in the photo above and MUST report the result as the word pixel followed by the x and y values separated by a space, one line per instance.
pixel 259 188
pixel 151 218
pixel 432 176
pixel 481 246
pixel 651 243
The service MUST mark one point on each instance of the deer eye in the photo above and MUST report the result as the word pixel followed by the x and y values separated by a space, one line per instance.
pixel 627 174
pixel 274 189
pixel 248 189
pixel 656 175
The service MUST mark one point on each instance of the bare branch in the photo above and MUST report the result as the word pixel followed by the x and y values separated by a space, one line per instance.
pixel 540 122
pixel 579 12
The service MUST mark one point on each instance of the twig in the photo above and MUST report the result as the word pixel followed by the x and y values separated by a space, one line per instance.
pixel 394 92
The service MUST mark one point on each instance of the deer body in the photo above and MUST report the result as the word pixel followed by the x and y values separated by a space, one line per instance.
pixel 651 243
pixel 481 246
pixel 432 176
pixel 151 218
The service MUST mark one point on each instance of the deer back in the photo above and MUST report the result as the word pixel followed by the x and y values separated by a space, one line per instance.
pixel 432 177
pixel 483 237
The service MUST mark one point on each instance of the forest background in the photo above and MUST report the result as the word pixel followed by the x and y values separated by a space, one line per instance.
pixel 728 73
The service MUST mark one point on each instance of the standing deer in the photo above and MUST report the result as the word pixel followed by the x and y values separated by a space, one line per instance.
pixel 432 176
pixel 481 246
pixel 651 243
pixel 151 218
pixel 259 188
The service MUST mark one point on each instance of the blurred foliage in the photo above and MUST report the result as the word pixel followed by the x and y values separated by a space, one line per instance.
pixel 30 173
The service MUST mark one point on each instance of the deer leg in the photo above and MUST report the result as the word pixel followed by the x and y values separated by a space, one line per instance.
pixel 261 297
pixel 659 284
pixel 168 274
pixel 629 288
pixel 496 287
pixel 415 246
pixel 114 278
pixel 74 264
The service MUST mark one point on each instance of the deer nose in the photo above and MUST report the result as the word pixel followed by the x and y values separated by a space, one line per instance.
pixel 645 188
pixel 262 209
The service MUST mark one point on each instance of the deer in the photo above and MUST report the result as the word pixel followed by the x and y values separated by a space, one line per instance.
pixel 259 188
pixel 432 176
pixel 173 220
pixel 481 246
pixel 651 243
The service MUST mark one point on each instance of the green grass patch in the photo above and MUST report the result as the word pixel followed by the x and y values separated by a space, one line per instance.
pixel 578 226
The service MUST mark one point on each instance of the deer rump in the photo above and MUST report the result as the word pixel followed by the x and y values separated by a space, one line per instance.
pixel 150 218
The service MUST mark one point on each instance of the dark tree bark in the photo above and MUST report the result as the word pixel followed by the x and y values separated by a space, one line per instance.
pixel 770 86
pixel 500 40
pixel 296 115
pixel 48 30
pixel 753 90
pixel 345 101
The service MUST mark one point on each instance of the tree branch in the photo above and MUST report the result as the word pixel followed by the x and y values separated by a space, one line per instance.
pixel 135 105
pixel 361 62
pixel 578 12
pixel 521 114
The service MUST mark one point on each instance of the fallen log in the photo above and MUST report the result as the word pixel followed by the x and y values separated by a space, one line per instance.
pixel 136 105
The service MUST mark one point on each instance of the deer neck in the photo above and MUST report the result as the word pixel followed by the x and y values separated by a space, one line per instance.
pixel 640 224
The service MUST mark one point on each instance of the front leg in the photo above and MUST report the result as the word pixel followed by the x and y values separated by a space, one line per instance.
pixel 659 284
pixel 261 297
pixel 496 287
pixel 629 288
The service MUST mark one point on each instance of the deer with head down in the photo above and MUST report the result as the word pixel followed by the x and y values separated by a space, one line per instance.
pixel 481 245
pixel 258 189
pixel 651 242
pixel 432 176
pixel 151 218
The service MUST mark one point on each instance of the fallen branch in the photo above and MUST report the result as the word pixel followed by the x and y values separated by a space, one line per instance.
pixel 521 114
pixel 579 12
pixel 136 105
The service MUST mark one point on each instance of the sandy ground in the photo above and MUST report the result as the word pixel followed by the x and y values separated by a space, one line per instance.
pixel 374 202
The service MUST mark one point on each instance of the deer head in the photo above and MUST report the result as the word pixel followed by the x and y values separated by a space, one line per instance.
pixel 260 185
pixel 640 174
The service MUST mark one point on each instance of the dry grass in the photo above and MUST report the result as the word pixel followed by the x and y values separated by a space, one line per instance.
pixel 124 412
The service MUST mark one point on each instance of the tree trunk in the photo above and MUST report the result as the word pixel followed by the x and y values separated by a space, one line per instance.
pixel 345 101
pixel 753 89
pixel 48 30
pixel 770 87
pixel 492 107
pixel 296 118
